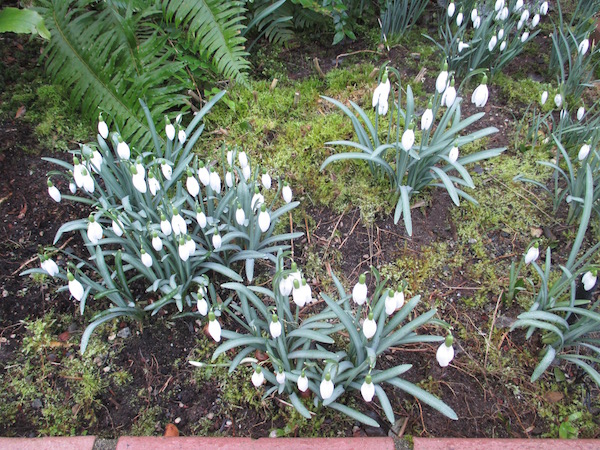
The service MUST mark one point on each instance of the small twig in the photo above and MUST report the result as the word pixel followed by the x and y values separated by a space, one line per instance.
pixel 318 67
pixel 334 230
pixel 489 340
pixel 342 55
pixel 350 234
pixel 307 233
pixel 33 258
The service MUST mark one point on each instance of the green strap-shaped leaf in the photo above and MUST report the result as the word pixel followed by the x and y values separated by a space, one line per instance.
pixel 424 396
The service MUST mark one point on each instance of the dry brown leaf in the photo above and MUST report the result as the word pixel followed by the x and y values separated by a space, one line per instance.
pixel 536 232
pixel 553 396
pixel 20 111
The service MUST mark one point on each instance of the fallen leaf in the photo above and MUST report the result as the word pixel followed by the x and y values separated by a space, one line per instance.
pixel 536 232
pixel 64 336
pixel 553 396
pixel 171 430
pixel 20 111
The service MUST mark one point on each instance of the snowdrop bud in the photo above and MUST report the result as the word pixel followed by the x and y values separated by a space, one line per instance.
pixel 153 184
pixel 520 24
pixel 544 8
pixel 525 15
pixel 499 5
pixel 94 230
pixel 286 193
pixel 442 80
pixel 427 117
pixel 326 387
pixel 264 219
pixel 584 151
pixel 123 149
pixel 451 9
pixel 532 254
pixel 298 294
pixel 477 22
pixel 453 155
pixel 146 258
pixel 589 279
pixel 459 18
pixel 240 216
pixel 216 240
pixel 408 138
pixel 518 5
pixel 390 303
pixel 502 46
pixel 183 249
pixel 214 327
pixel 246 172
pixel 165 225
pixel 535 21
pixel 169 129
pixel 449 95
pixel 500 34
pixel 265 179
pixel 544 97
pixel 524 36
pixel 215 181
pixel 462 46
pixel 50 267
pixel 367 389
pixel 75 287
pixel 480 95
pixel 492 43
pixel 157 243
pixel 369 326
pixel 243 159
pixel 580 113
pixel 202 305
pixel 203 174
pixel 359 292
pixel 191 184
pixel 302 382
pixel 474 15
pixel 72 187
pixel 200 217
pixel 280 376
pixel 117 227
pixel 504 13
pixel 229 179
pixel 54 192
pixel 102 127
pixel 275 326
pixel 230 157
pixel 558 100
pixel 166 169
pixel 583 46
pixel 181 136
pixel 445 352
pixel 258 378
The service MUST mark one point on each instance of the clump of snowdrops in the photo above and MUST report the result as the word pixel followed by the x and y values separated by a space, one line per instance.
pixel 298 349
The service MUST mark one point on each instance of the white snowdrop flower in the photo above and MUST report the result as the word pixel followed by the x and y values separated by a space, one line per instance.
pixel 359 291
pixel 583 46
pixel 474 14
pixel 214 327
pixel 524 15
pixel 442 80
pixel 326 387
pixel 504 13
pixel 157 243
pixel 265 179
pixel 453 155
pixel 275 327
pixel 544 97
pixel 295 273
pixel 459 18
pixel 202 306
pixel 381 94
pixel 535 21
pixel 183 250
pixel 286 285
pixel 181 137
pixel 564 114
pixel 589 279
pixel 451 9
pixel 215 181
pixel 525 36
pixel 192 185
pixel 153 184
pixel 230 157
pixel 427 118
pixel 117 227
pixel 480 95
pixel 165 225
pixel 286 192
pixel 50 267
pixel 367 389
pixel 408 138
pixel 146 258
pixel 75 287
pixel 72 187
pixel 246 172
pixel 264 219
pixel 462 46
pixel 532 254
pixel 257 199
pixel 243 159
pixel 492 43
pixel 178 223
pixel 229 179
pixel 369 326
pixel 518 5
pixel 191 245
pixel 94 230
pixel 306 291
pixel 558 100
pixel 544 8
pixel 240 216
pixel 169 130
pixel 499 5
pixel 96 161
pixel 302 382
pixel 580 113
pixel 449 95
pixel 477 22
pixel 166 170
pixel 500 34
pixel 280 376
pixel 390 303
pixel 520 24
pixel 203 174
pixel 399 297
pixel 123 149
pixel 102 127
pixel 54 192
pixel 445 352
pixel 298 296
pixel 258 378
pixel 201 218
pixel 584 151
pixel 78 172
pixel 216 241
pixel 502 46
pixel 138 178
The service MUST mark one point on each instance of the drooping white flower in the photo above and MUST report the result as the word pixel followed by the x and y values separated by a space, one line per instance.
pixel 518 5
pixel 367 389
pixel 275 327
pixel 502 46
pixel 203 174
pixel 525 36
pixel 94 230
pixel 459 18
pixel 201 218
pixel 498 5
pixel 54 192
pixel 445 352
pixel 146 258
pixel 243 159
pixel 102 127
pixel 474 14
pixel 169 130
pixel 584 151
pixel 181 136
pixel 524 15
pixel 453 155
pixel 230 157
pixel 477 22
pixel 123 149
pixel 191 245
pixel 258 378
pixel 286 192
pixel 306 292
pixel 504 13
pixel 544 97
pixel 302 382
pixel 157 243
pixel 192 185
pixel 202 305
pixel 265 179
pixel 520 24
pixel 216 240
pixel 369 326
pixel 50 267
pixel 264 219
pixel 72 187
pixel 138 178
pixel 535 21
pixel 229 179
pixel 183 249
pixel 408 138
pixel 381 94
pixel 500 34
pixel 215 181
pixel 246 172
pixel 390 303
pixel 75 287
pixel 257 199
pixel 589 279
pixel 427 118
pixel 96 161
pixel 359 291
pixel 462 46
pixel 240 216
pixel 532 254
pixel 544 8
pixel 442 79
pixel 298 295
pixel 280 376
pixel 580 113
pixel 449 95
pixel 214 327
pixel 117 227
pixel 451 9
pixel 492 43
pixel 399 297
pixel 286 285
pixel 326 387
pixel 167 170
pixel 153 184
pixel 480 95
pixel 178 223
pixel 165 225
pixel 558 100
pixel 583 46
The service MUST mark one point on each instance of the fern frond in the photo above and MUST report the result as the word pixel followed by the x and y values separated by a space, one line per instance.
pixel 214 29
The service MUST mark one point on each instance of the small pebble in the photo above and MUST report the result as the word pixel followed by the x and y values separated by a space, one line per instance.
pixel 177 420
pixel 124 333
pixel 106 369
